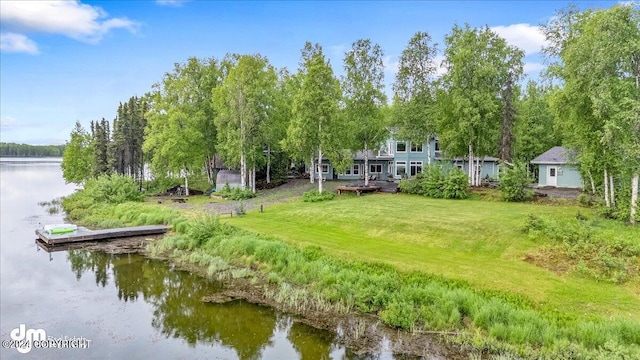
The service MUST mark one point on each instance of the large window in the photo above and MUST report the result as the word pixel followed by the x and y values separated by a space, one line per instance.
pixel 401 146
pixel 353 170
pixel 416 147
pixel 325 168
pixel 416 167
pixel 375 168
pixel 401 168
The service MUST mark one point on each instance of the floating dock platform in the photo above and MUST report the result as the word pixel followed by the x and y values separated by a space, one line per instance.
pixel 84 234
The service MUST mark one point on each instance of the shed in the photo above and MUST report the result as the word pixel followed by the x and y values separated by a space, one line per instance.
pixel 558 168
pixel 231 177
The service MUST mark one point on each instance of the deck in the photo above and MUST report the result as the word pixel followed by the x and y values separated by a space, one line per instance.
pixel 357 189
pixel 84 234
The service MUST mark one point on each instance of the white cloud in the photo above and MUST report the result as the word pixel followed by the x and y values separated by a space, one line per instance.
pixel 17 43
pixel 527 37
pixel 441 68
pixel 171 3
pixel 390 66
pixel 8 123
pixel 69 18
pixel 532 67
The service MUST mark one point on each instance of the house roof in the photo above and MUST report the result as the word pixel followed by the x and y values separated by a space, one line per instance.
pixel 555 155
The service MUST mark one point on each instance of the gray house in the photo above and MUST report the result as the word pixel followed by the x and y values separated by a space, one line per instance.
pixel 397 159
pixel 558 169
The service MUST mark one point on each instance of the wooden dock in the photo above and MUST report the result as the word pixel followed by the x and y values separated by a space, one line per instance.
pixel 84 234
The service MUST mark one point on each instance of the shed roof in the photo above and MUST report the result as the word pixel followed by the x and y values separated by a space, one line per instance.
pixel 555 155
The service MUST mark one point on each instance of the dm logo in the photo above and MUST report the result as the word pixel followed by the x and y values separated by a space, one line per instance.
pixel 25 337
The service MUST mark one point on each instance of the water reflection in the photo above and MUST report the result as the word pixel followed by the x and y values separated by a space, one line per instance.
pixel 178 311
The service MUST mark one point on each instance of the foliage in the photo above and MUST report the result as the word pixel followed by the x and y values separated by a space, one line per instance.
pixel 364 98
pixel 414 100
pixel 25 150
pixel 535 126
pixel 316 281
pixel 180 131
pixel 235 193
pixel 615 260
pixel 77 160
pixel 113 189
pixel 515 183
pixel 455 184
pixel 315 196
pixel 469 97
pixel 244 102
pixel 316 127
pixel 596 57
pixel 438 182
pixel 126 156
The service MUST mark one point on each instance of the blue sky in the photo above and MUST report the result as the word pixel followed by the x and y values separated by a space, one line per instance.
pixel 62 62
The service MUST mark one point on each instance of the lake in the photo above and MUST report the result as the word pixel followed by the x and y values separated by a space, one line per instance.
pixel 104 306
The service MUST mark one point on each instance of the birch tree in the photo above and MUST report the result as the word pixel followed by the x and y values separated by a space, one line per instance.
pixel 180 131
pixel 244 103
pixel 599 63
pixel 364 97
pixel 77 159
pixel 316 127
pixel 469 97
pixel 414 91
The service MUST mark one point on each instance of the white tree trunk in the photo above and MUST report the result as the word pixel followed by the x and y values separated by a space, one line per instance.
pixel 366 165
pixel 243 172
pixel 612 193
pixel 320 169
pixel 312 171
pixel 634 197
pixel 471 164
pixel 593 183
pixel 606 188
pixel 429 151
pixel 186 183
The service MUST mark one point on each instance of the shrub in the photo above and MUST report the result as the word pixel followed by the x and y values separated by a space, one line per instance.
pixel 315 196
pixel 585 200
pixel 514 184
pixel 113 189
pixel 455 185
pixel 437 182
pixel 235 194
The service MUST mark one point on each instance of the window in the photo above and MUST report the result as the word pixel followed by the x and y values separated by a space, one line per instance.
pixel 325 168
pixel 401 146
pixel 401 168
pixel 415 147
pixel 353 170
pixel 416 167
pixel 552 172
pixel 375 168
pixel 438 153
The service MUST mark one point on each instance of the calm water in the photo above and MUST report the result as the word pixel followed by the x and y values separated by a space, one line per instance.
pixel 128 306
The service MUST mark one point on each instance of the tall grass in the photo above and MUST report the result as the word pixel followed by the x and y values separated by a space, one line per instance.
pixel 306 279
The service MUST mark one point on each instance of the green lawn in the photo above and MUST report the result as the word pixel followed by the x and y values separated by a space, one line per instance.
pixel 477 241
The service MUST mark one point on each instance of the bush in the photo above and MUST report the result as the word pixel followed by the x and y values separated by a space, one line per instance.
pixel 235 194
pixel 438 182
pixel 113 189
pixel 455 185
pixel 514 184
pixel 315 196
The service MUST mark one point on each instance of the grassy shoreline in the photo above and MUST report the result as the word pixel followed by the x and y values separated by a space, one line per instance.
pixel 449 283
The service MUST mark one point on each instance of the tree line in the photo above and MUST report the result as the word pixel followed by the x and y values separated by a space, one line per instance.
pixel 25 150
pixel 244 112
